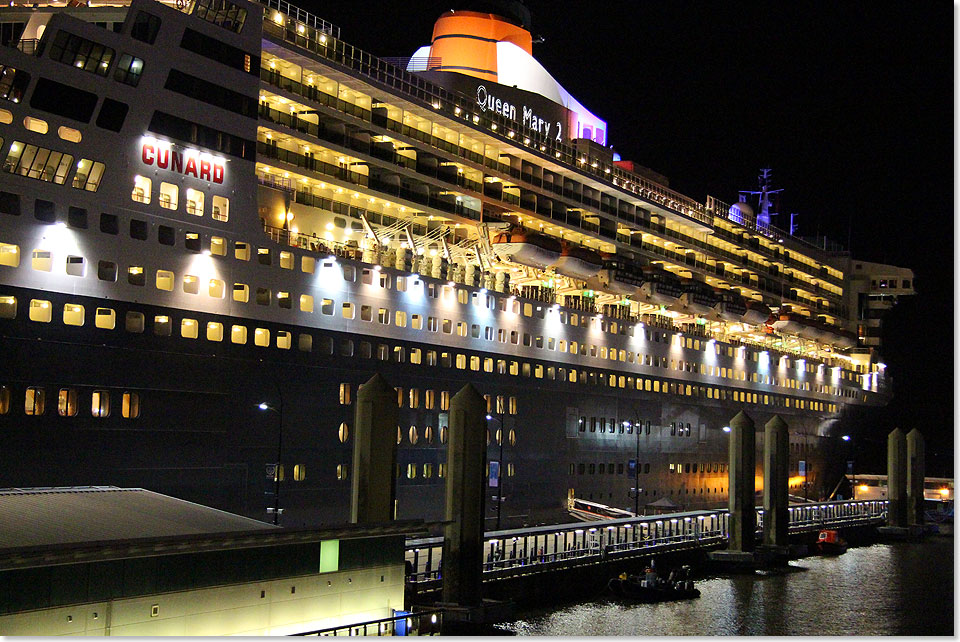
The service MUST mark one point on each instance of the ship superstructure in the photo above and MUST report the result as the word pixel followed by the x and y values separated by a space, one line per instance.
pixel 211 205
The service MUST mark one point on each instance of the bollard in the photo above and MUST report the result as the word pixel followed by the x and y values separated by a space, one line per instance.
pixel 897 478
pixel 743 516
pixel 915 473
pixel 776 482
pixel 463 532
pixel 372 491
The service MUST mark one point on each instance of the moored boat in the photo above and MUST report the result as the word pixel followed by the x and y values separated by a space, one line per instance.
pixel 829 542
pixel 650 587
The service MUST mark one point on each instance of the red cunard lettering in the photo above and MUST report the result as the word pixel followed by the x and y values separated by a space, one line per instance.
pixel 164 158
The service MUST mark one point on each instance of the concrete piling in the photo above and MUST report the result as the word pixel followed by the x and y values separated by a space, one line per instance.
pixel 742 487
pixel 372 490
pixel 897 479
pixel 463 532
pixel 915 473
pixel 776 481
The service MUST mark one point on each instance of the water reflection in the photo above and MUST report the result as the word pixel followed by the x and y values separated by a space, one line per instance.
pixel 883 589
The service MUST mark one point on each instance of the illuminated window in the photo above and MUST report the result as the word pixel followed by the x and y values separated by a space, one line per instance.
pixel 88 175
pixel 5 116
pixel 41 260
pixel 343 433
pixel 189 328
pixel 412 435
pixel 141 189
pixel 68 134
pixel 443 435
pixel 218 246
pixel 306 303
pixel 67 402
pixel 4 400
pixel 169 196
pixel 76 265
pixel 241 292
pixel 284 340
pixel 221 209
pixel 105 318
pixel 73 314
pixel 345 394
pixel 191 284
pixel 130 405
pixel 444 400
pixel 342 471
pixel 238 334
pixel 165 280
pixel 241 251
pixel 136 275
pixel 34 401
pixel 428 399
pixel 411 471
pixel 9 255
pixel 428 434
pixel 214 331
pixel 261 337
pixel 40 126
pixel 348 310
pixel 8 307
pixel 100 403
pixel 286 260
pixel 194 202
pixel 308 264
pixel 162 326
pixel 215 288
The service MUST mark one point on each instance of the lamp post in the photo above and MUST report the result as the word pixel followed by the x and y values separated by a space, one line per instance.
pixel 276 471
pixel 636 468
pixel 500 473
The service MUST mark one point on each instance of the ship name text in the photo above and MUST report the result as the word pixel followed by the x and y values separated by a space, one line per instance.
pixel 186 163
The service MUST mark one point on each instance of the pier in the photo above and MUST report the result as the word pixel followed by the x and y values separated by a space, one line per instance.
pixel 541 549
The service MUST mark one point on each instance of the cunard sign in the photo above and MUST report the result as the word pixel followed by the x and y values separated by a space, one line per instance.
pixel 187 162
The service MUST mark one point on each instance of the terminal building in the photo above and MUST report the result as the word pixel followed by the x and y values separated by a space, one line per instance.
pixel 127 561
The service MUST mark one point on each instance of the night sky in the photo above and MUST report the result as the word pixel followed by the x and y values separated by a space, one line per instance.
pixel 850 104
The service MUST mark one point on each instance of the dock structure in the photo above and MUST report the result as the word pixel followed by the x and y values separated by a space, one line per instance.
pixel 742 487
pixel 525 551
pixel 897 479
pixel 776 482
pixel 915 477
pixel 372 490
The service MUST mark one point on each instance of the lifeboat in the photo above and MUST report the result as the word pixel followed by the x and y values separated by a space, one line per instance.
pixel 526 248
pixel 812 330
pixel 757 313
pixel 660 287
pixel 730 306
pixel 578 262
pixel 789 322
pixel 845 339
pixel 617 277
pixel 697 297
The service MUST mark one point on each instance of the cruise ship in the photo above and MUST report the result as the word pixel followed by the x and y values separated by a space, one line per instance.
pixel 218 219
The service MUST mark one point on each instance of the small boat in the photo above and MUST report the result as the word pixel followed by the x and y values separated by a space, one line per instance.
pixel 650 587
pixel 730 305
pixel 830 543
pixel 578 262
pixel 526 248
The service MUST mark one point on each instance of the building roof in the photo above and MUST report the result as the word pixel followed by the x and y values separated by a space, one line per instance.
pixel 32 517
pixel 53 526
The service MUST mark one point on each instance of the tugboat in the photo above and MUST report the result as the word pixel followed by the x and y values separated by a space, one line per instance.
pixel 830 543
pixel 650 587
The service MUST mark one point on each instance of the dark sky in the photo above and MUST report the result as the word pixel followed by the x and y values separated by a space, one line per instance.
pixel 850 103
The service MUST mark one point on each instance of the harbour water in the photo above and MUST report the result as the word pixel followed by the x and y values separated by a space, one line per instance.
pixel 880 589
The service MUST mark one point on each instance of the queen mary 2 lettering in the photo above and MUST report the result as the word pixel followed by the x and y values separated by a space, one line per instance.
pixel 186 162
pixel 488 101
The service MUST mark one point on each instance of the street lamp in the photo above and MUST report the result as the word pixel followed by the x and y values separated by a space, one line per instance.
pixel 276 471
pixel 500 473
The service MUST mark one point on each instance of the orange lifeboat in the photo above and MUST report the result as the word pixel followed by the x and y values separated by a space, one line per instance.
pixel 526 248
pixel 578 262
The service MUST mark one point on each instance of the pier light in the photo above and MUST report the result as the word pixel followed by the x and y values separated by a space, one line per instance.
pixel 674 521
pixel 433 619
pixel 726 429
pixel 845 437
pixel 686 519
pixel 579 530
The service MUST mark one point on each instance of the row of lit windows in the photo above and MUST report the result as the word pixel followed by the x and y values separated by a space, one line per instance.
pixel 504 405
pixel 105 318
pixel 618 468
pixel 169 198
pixel 51 166
pixel 68 402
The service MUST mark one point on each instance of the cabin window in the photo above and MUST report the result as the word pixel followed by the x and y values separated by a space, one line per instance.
pixel 342 472
pixel 4 400
pixel 241 292
pixel 221 210
pixel 100 403
pixel 105 318
pixel 263 296
pixel 107 271
pixel 189 328
pixel 348 310
pixel 161 325
pixel 261 337
pixel 10 255
pixel 308 264
pixel 284 340
pixel 76 265
pixel 73 314
pixel 194 202
pixel 238 334
pixel 41 260
pixel 286 260
pixel 191 285
pixel 241 251
pixel 216 288
pixel 165 280
pixel 88 175
pixel 8 307
pixel 169 196
pixel 306 303
pixel 214 331
pixel 141 189
pixel 34 400
pixel 67 402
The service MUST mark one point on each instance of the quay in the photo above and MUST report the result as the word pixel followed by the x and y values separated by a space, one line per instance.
pixel 546 549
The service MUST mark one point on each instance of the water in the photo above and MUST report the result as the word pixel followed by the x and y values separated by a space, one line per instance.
pixel 881 589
